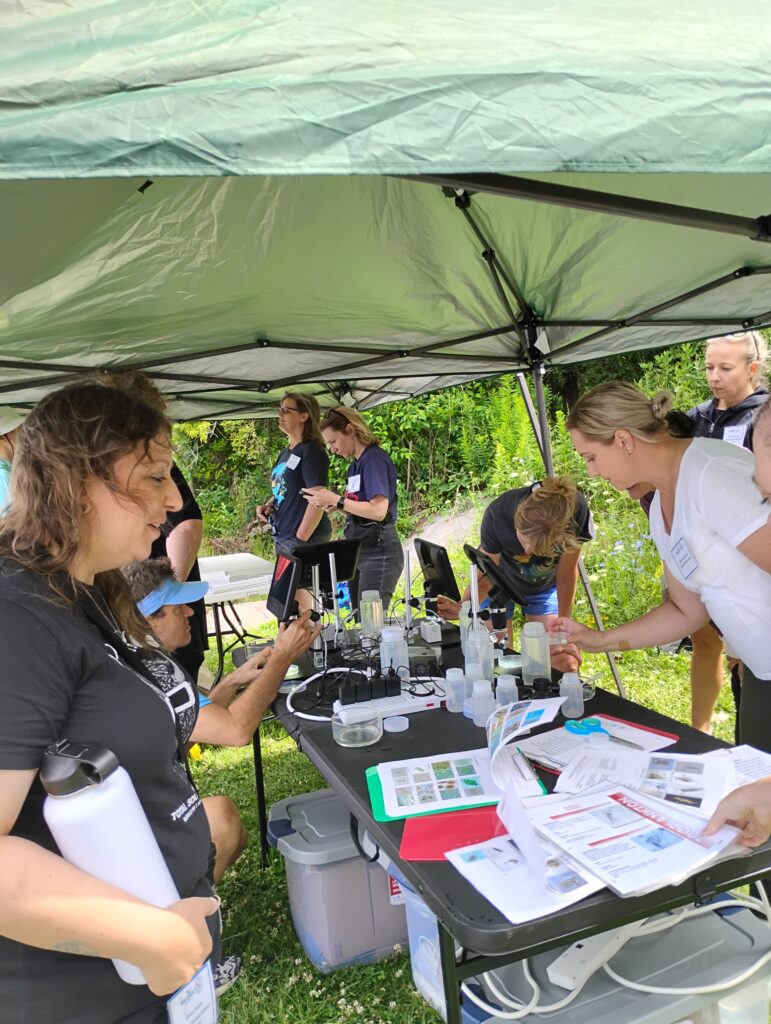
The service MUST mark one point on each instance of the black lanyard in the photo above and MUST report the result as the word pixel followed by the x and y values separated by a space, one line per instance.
pixel 93 611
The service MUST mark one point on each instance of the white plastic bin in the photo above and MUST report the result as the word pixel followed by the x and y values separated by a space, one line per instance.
pixel 340 903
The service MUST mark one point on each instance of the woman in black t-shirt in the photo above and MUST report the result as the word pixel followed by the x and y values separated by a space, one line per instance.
pixel 302 466
pixel 91 488
pixel 369 503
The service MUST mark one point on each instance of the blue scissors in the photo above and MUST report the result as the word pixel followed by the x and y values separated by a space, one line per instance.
pixel 587 726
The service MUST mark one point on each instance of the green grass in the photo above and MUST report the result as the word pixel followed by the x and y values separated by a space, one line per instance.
pixel 278 983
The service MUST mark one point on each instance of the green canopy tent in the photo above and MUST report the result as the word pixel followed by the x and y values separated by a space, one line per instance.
pixel 372 202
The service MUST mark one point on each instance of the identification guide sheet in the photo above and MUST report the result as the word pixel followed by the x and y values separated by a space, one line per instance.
pixel 469 778
pixel 635 844
pixel 524 878
pixel 556 748
pixel 687 780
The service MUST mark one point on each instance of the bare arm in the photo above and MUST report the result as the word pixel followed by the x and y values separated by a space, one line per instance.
pixel 311 518
pixel 46 902
pixel 375 509
pixel 182 546
pixel 680 614
pixel 757 547
pixel 235 724
pixel 566 580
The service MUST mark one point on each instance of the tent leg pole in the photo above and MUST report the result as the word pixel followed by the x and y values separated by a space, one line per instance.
pixel 541 431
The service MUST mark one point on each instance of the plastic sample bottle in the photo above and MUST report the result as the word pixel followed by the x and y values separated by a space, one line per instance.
pixel 455 688
pixel 573 691
pixel 536 660
pixel 394 652
pixel 473 671
pixel 479 648
pixel 482 701
pixel 95 816
pixel 371 614
pixel 506 691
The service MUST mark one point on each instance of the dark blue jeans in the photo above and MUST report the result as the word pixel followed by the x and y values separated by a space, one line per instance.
pixel 380 565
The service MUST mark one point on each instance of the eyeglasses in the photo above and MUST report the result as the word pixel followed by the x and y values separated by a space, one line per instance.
pixel 284 409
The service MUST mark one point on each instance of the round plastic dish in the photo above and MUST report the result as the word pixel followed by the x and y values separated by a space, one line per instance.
pixel 396 723
pixel 508 663
pixel 360 733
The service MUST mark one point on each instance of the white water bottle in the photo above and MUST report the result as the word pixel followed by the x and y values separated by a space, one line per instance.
pixel 482 701
pixel 95 816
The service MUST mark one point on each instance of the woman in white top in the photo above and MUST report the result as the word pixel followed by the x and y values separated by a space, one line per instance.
pixel 709 522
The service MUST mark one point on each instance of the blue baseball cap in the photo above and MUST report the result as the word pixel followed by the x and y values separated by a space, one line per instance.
pixel 172 592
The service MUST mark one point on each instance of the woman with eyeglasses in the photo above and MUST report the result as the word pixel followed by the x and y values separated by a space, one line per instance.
pixel 369 502
pixel 302 466
pixel 91 488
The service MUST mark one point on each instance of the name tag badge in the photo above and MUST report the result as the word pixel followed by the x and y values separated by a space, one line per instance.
pixel 685 561
pixel 735 435
pixel 293 462
pixel 196 1002
pixel 354 483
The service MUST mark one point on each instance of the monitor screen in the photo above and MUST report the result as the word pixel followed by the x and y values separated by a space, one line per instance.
pixel 281 596
pixel 438 576
pixel 346 554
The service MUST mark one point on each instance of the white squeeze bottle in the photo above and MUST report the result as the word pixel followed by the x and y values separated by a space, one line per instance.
pixel 95 816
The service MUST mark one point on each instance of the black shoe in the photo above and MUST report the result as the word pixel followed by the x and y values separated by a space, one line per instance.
pixel 226 973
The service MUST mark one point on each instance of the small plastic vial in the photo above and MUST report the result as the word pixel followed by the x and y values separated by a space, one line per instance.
pixel 506 691
pixel 573 692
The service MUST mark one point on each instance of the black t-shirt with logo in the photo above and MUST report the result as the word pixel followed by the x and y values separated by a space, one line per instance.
pixel 305 465
pixel 63 679
pixel 529 574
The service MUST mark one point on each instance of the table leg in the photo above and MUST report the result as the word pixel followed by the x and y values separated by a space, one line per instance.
pixel 262 810
pixel 450 977
pixel 220 646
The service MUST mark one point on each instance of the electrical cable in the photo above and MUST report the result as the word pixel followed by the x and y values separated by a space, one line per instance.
pixel 649 926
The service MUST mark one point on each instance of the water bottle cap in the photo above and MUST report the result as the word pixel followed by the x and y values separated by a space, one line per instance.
pixel 69 767
pixel 391 634
pixel 534 629
pixel 370 595
pixel 454 673
pixel 570 679
pixel 483 686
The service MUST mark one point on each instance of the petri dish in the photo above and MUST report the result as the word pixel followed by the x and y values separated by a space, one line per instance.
pixel 360 733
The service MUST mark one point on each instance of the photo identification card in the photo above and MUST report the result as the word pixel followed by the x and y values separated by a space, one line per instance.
pixel 196 1002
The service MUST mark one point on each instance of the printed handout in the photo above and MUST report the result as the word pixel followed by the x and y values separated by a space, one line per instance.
pixel 556 748
pixel 688 780
pixel 633 843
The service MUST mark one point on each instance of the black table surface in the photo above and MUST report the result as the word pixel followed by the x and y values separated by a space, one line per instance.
pixel 473 922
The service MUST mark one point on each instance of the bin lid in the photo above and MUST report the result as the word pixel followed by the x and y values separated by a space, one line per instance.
pixel 320 828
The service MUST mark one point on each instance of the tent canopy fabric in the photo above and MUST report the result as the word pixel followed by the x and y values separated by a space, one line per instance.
pixel 225 195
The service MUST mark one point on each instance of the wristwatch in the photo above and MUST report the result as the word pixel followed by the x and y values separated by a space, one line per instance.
pixel 341 502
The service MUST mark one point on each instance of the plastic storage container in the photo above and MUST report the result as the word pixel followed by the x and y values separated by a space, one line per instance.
pixel 701 951
pixel 371 614
pixel 482 701
pixel 479 650
pixel 573 692
pixel 536 660
pixel 394 652
pixel 339 902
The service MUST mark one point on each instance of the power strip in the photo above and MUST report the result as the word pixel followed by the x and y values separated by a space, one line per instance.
pixel 386 707
pixel 581 960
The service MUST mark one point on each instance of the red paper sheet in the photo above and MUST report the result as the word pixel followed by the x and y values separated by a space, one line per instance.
pixel 428 837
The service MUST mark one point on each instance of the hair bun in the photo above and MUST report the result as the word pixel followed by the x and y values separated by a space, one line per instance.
pixel 662 403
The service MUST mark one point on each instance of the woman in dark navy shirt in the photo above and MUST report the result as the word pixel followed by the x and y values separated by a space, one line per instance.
pixel 302 466
pixel 369 502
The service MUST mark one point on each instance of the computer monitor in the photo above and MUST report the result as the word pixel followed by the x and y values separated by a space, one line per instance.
pixel 502 587
pixel 438 577
pixel 283 587
pixel 295 570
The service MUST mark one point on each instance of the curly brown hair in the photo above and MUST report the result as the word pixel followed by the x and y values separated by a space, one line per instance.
pixel 70 437
pixel 546 516
pixel 146 576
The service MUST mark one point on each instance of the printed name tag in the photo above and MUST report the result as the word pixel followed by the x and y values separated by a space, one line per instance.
pixel 293 461
pixel 196 1002
pixel 735 435
pixel 354 483
pixel 686 563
